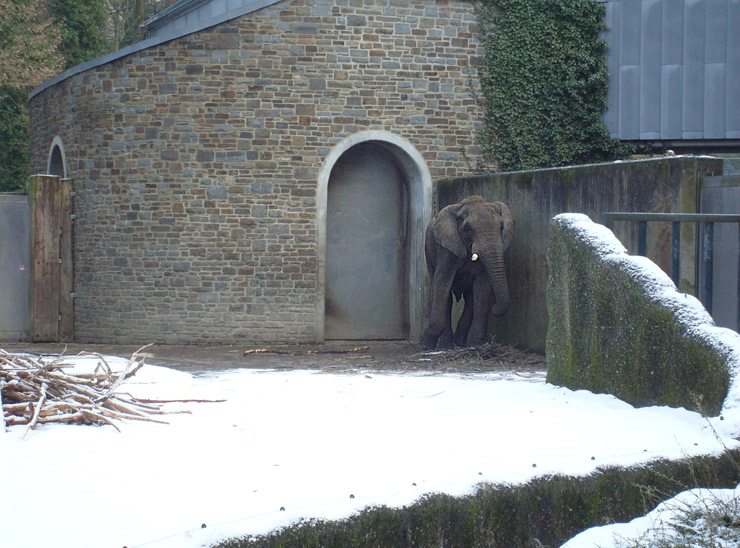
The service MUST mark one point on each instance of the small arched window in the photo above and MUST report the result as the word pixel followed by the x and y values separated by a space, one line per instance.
pixel 57 162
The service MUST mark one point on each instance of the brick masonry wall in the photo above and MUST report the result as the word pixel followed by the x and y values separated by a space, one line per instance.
pixel 196 162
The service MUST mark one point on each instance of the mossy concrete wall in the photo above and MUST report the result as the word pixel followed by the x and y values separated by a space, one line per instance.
pixel 619 326
pixel 666 184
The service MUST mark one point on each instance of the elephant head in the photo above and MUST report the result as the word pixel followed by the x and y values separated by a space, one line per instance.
pixel 478 230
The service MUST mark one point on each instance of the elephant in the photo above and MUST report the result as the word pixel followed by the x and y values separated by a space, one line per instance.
pixel 464 247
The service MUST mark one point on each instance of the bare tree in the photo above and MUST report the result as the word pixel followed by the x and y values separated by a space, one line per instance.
pixel 127 16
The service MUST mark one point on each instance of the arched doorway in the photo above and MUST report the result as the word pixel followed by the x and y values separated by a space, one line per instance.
pixel 374 201
pixel 366 246
pixel 57 164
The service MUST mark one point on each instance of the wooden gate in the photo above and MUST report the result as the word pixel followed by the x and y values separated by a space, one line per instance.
pixel 50 201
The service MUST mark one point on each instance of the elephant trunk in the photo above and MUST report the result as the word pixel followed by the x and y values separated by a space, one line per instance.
pixel 493 261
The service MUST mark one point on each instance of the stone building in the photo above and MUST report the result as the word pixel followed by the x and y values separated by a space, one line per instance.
pixel 261 170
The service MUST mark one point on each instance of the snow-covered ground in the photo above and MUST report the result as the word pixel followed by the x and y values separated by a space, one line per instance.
pixel 696 514
pixel 291 444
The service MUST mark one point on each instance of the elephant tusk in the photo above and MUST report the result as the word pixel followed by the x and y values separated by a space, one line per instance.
pixel 474 257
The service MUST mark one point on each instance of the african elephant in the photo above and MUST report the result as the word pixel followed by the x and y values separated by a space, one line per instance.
pixel 464 249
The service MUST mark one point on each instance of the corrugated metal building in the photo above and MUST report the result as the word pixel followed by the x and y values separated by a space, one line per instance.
pixel 674 69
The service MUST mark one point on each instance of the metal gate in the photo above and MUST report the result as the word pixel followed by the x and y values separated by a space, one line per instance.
pixel 14 267
pixel 718 245
pixel 367 217
pixel 721 194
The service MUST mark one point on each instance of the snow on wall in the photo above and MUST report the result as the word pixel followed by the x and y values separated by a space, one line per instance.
pixel 619 325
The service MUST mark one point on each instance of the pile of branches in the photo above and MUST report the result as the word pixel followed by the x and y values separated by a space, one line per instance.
pixel 34 391
pixel 492 355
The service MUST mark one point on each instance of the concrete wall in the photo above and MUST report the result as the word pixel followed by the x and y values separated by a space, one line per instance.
pixel 619 326
pixel 200 164
pixel 667 184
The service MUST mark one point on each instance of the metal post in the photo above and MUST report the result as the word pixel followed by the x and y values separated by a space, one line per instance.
pixel 607 219
pixel 676 253
pixel 642 238
pixel 708 263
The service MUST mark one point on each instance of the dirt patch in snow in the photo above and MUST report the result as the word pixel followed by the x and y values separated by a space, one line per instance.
pixel 333 356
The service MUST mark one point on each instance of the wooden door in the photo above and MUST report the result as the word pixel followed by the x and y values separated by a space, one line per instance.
pixel 50 204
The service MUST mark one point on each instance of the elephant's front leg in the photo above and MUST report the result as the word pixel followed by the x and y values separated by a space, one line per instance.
pixel 438 333
pixel 445 341
pixel 441 308
pixel 482 292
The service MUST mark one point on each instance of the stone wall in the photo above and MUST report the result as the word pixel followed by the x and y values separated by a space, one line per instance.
pixel 669 184
pixel 195 162
pixel 618 325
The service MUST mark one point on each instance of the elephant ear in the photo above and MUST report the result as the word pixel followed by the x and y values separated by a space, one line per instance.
pixel 507 233
pixel 446 233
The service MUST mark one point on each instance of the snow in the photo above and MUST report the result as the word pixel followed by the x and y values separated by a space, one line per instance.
pixel 658 524
pixel 286 445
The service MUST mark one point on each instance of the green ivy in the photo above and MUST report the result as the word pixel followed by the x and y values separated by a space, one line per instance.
pixel 83 29
pixel 544 82
pixel 14 149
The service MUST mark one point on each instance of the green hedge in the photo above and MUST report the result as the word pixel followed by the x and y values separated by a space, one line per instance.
pixel 551 509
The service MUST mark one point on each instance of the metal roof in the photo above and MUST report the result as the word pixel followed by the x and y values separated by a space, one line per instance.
pixel 187 16
pixel 171 12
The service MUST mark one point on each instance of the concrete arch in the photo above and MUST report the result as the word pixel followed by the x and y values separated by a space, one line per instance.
pixel 57 162
pixel 419 214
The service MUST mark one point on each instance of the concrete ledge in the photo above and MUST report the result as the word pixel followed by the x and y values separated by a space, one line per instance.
pixel 618 325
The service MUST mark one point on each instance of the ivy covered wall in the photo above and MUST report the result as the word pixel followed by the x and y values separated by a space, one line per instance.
pixel 543 83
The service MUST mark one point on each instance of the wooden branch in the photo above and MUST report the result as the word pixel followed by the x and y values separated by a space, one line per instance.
pixel 134 364
pixel 309 352
pixel 39 405
pixel 35 390
pixel 144 400
pixel 2 413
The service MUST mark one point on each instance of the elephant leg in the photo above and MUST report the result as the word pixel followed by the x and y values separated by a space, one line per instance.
pixel 466 319
pixel 439 317
pixel 445 341
pixel 482 292
pixel 438 333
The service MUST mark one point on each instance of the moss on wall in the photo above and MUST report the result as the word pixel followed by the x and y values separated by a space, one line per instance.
pixel 613 331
